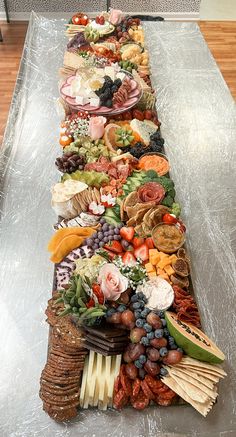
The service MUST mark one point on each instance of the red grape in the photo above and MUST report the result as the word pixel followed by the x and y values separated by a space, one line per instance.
pixel 173 357
pixel 114 318
pixel 124 298
pixel 131 371
pixel 136 334
pixel 158 342
pixel 152 368
pixel 126 357
pixel 128 319
pixel 154 320
pixel 135 350
pixel 153 354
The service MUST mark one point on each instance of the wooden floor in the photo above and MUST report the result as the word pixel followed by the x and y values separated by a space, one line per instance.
pixel 220 37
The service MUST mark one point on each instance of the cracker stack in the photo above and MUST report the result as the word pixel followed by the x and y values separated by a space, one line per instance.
pixel 195 382
pixel 61 376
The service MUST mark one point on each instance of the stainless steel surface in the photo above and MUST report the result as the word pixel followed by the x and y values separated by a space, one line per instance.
pixel 198 123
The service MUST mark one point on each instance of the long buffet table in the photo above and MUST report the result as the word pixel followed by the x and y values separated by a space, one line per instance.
pixel 199 127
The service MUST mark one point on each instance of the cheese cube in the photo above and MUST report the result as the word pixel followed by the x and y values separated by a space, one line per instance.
pixel 151 274
pixel 169 270
pixel 94 101
pixel 173 258
pixel 120 75
pixel 165 261
pixel 149 267
pixel 154 256
pixel 109 71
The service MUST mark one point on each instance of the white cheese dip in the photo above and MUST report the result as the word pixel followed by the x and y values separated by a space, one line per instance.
pixel 159 293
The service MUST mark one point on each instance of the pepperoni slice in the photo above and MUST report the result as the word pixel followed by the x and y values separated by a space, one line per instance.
pixel 126 384
pixel 147 391
pixel 153 383
pixel 140 402
pixel 151 192
pixel 163 402
pixel 136 387
pixel 120 399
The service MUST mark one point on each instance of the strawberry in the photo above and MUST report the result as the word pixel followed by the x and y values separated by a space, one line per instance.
pixel 129 259
pixel 97 20
pixel 111 254
pixel 101 20
pixel 138 114
pixel 149 243
pixel 127 115
pixel 127 233
pixel 137 241
pixel 148 114
pixel 114 246
pixel 142 252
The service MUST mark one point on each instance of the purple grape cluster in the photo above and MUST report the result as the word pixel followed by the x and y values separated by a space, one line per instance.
pixel 70 162
pixel 105 234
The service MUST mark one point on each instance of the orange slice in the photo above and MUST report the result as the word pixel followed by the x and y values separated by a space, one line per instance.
pixel 109 136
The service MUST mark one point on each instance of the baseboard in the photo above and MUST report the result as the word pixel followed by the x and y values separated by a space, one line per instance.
pixel 169 16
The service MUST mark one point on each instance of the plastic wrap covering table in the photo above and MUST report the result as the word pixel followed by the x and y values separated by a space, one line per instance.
pixel 199 124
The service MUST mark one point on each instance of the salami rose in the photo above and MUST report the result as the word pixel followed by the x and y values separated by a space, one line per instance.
pixel 151 192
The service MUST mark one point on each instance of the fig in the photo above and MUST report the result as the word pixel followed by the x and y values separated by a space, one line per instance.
pixel 136 334
pixel 151 368
pixel 158 342
pixel 154 320
pixel 173 357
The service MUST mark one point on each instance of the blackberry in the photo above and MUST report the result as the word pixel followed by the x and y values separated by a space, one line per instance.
pixel 108 103
pixel 117 82
pixel 107 93
pixel 114 88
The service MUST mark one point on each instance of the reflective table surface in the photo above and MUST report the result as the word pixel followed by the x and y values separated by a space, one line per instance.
pixel 199 125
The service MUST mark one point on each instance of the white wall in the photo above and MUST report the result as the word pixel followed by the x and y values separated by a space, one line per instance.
pixel 218 10
pixel 167 8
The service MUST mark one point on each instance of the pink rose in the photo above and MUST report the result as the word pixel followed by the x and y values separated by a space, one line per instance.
pixel 96 127
pixel 112 282
pixel 116 16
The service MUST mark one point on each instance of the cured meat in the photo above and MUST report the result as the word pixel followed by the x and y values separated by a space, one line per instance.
pixel 101 165
pixel 151 192
pixel 140 402
pixel 185 306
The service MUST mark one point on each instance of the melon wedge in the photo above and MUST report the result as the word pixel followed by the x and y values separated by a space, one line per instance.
pixel 193 341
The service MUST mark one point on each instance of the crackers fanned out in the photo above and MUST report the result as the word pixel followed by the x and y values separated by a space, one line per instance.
pixel 195 382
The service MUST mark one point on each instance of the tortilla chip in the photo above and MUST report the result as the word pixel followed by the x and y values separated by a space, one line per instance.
pixel 213 378
pixel 211 368
pixel 203 379
pixel 202 408
pixel 131 199
pixel 194 382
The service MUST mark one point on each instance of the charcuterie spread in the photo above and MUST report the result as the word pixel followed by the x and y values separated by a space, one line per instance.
pixel 124 325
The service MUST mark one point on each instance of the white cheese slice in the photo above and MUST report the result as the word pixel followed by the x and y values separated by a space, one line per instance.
pixel 90 371
pixel 111 382
pixel 75 86
pixel 98 376
pixel 107 381
pixel 94 101
pixel 84 382
pixel 109 71
pixel 81 100
pixel 92 382
pixel 121 75
pixel 102 384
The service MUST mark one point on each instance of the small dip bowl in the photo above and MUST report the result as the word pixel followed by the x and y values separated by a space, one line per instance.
pixel 168 238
